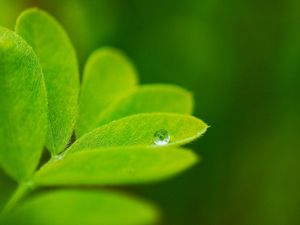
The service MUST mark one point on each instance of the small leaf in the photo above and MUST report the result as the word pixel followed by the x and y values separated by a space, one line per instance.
pixel 82 207
pixel 108 75
pixel 116 166
pixel 138 130
pixel 23 106
pixel 147 99
pixel 59 64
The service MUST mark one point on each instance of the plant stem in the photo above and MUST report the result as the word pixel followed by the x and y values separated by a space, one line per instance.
pixel 21 191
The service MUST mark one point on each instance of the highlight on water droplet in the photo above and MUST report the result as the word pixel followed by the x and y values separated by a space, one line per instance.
pixel 161 137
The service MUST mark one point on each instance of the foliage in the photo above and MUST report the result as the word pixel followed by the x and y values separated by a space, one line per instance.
pixel 117 118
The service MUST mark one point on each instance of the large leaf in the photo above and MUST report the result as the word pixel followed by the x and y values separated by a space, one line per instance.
pixel 82 207
pixel 59 64
pixel 139 130
pixel 150 98
pixel 108 75
pixel 23 106
pixel 116 166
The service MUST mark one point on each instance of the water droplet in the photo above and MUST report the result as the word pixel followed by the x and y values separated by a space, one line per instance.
pixel 58 157
pixel 161 137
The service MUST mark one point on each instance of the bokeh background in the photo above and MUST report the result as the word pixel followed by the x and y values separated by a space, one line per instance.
pixel 241 59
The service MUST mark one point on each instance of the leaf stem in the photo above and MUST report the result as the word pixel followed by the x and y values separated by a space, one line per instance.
pixel 21 191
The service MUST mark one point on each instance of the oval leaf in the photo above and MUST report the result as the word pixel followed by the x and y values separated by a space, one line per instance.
pixel 108 75
pixel 116 166
pixel 138 130
pixel 83 207
pixel 147 99
pixel 23 106
pixel 59 64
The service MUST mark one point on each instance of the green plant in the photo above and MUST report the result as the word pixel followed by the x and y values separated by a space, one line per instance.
pixel 115 122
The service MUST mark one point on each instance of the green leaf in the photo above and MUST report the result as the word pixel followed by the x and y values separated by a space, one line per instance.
pixel 23 106
pixel 59 64
pixel 147 99
pixel 108 75
pixel 116 166
pixel 138 130
pixel 83 207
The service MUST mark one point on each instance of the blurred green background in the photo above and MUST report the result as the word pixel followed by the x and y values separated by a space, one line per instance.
pixel 241 59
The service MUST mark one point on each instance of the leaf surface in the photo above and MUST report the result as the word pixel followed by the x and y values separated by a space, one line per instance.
pixel 108 75
pixel 138 130
pixel 116 166
pixel 23 106
pixel 83 207
pixel 58 60
pixel 147 99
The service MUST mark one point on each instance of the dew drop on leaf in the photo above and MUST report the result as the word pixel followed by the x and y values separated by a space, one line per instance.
pixel 58 157
pixel 161 137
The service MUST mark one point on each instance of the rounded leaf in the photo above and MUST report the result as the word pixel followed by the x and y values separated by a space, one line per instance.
pixel 107 76
pixel 82 207
pixel 139 130
pixel 58 60
pixel 148 99
pixel 23 106
pixel 116 166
